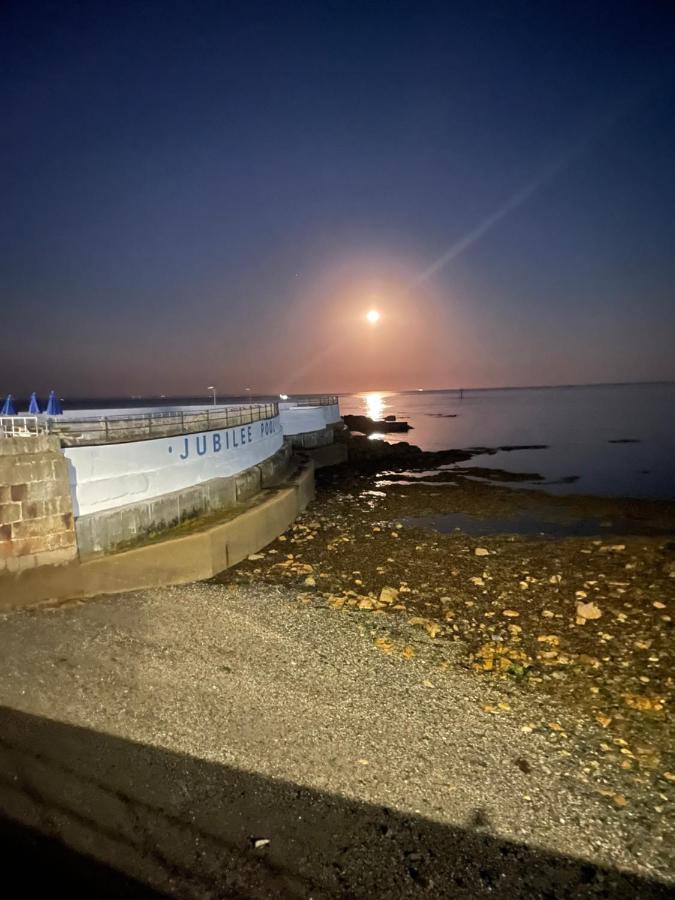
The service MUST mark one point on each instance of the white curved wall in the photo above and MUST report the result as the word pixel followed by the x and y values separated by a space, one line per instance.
pixel 301 419
pixel 109 475
pixel 332 413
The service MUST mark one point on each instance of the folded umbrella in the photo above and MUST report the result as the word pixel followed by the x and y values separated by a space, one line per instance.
pixel 8 407
pixel 34 406
pixel 53 405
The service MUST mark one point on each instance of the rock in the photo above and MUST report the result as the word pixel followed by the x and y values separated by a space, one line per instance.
pixel 481 551
pixel 366 603
pixel 587 611
pixel 253 556
pixel 477 580
pixel 643 703
pixel 310 581
pixel 388 595
pixel 555 579
pixel 384 645
pixel 612 548
pixel 260 842
pixel 510 613
pixel 432 628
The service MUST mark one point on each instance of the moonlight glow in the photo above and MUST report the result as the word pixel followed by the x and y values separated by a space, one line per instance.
pixel 373 316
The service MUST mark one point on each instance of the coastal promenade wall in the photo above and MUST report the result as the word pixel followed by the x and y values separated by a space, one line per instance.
pixel 108 475
pixel 101 481
pixel 36 513
pixel 137 474
pixel 309 427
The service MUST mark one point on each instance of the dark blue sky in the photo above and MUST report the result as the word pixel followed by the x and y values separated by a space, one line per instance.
pixel 215 193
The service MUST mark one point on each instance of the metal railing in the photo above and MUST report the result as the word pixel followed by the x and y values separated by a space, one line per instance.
pixel 20 426
pixel 322 400
pixel 120 428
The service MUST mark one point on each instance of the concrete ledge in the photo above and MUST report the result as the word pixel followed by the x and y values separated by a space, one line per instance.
pixel 105 532
pixel 331 455
pixel 178 560
pixel 308 440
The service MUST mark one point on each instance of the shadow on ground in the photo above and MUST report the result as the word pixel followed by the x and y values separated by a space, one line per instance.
pixel 189 827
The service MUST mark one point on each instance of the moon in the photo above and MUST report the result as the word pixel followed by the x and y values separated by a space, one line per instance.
pixel 373 316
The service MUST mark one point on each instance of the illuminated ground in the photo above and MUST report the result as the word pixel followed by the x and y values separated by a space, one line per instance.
pixel 170 732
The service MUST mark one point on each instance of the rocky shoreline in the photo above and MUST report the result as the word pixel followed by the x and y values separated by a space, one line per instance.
pixel 585 620
pixel 371 706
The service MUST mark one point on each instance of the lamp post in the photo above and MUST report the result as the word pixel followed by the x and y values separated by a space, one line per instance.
pixel 213 391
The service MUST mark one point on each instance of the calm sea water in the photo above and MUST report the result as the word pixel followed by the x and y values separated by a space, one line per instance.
pixel 578 425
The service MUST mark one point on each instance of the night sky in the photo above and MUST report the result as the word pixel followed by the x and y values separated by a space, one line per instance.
pixel 216 193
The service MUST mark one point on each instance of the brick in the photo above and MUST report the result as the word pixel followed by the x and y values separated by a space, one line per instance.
pixel 6 549
pixel 20 473
pixel 48 490
pixel 28 446
pixel 63 541
pixel 10 512
pixel 54 507
pixel 18 491
pixel 37 544
pixel 5 532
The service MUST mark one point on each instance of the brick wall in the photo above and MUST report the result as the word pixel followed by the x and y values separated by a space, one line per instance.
pixel 36 513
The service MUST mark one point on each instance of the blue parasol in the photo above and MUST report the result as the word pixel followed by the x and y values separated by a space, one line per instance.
pixel 53 405
pixel 33 406
pixel 8 407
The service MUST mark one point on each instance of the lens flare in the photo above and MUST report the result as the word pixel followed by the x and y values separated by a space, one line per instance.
pixel 373 316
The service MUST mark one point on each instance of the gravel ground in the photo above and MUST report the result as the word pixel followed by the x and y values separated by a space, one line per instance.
pixel 221 716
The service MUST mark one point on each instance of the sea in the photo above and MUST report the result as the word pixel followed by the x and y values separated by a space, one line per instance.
pixel 608 440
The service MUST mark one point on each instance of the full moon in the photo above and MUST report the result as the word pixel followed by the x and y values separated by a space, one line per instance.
pixel 373 316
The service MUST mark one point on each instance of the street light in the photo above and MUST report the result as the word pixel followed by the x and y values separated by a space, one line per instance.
pixel 213 390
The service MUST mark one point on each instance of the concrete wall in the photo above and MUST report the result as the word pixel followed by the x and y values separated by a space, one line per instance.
pixel 300 419
pixel 182 558
pixel 122 526
pixel 36 513
pixel 108 476
pixel 309 440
